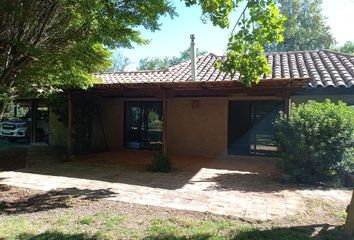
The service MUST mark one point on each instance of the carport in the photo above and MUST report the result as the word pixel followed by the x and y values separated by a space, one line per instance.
pixel 26 120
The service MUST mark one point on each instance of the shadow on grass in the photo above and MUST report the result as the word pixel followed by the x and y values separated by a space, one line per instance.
pixel 56 236
pixel 312 232
pixel 60 198
pixel 323 232
pixel 173 237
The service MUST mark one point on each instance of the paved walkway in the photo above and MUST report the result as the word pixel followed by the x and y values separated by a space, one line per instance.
pixel 245 194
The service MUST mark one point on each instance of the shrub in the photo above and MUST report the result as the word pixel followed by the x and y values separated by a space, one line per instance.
pixel 316 142
pixel 160 163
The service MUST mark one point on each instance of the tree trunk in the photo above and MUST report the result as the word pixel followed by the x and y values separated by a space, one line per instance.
pixel 349 224
pixel 2 109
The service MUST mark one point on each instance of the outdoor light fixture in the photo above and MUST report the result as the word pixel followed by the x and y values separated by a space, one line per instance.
pixel 195 103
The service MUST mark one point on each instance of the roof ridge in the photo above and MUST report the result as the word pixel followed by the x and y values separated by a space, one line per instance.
pixel 129 72
pixel 336 52
pixel 294 51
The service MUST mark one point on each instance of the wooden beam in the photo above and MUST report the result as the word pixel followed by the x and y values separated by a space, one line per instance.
pixel 70 125
pixel 164 119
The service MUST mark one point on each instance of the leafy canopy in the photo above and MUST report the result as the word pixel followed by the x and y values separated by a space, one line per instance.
pixel 119 62
pixel 260 24
pixel 347 47
pixel 57 44
pixel 305 27
pixel 163 63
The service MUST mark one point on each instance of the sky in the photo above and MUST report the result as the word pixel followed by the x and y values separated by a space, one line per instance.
pixel 174 34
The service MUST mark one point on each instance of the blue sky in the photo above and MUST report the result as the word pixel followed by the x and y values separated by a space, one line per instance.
pixel 174 34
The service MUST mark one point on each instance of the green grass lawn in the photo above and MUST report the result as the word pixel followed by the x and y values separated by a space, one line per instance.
pixel 105 225
pixel 34 215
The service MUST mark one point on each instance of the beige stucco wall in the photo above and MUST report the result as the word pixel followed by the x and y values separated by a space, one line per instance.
pixel 111 111
pixel 197 131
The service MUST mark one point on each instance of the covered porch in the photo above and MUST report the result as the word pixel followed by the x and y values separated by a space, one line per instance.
pixel 193 118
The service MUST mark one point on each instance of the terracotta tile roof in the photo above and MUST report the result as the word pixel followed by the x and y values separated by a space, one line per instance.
pixel 323 68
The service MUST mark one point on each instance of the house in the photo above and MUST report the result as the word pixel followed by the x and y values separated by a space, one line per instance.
pixel 213 114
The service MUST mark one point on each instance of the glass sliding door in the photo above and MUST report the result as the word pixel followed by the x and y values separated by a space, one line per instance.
pixel 250 128
pixel 143 125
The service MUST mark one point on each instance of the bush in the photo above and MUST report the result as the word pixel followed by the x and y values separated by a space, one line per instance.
pixel 316 142
pixel 160 163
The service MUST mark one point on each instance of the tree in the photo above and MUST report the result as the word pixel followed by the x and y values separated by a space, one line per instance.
pixel 47 43
pixel 155 63
pixel 56 44
pixel 186 54
pixel 119 62
pixel 259 24
pixel 347 47
pixel 163 63
pixel 305 27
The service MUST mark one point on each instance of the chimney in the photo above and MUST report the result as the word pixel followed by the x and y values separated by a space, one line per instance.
pixel 193 57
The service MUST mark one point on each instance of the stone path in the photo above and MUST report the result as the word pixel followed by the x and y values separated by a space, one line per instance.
pixel 229 192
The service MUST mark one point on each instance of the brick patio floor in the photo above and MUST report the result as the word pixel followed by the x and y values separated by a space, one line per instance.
pixel 244 187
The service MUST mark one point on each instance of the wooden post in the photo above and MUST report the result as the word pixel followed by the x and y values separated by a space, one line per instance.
pixel 349 224
pixel 34 106
pixel 287 101
pixel 70 125
pixel 164 119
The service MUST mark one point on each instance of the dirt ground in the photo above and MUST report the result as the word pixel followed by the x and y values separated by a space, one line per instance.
pixel 19 201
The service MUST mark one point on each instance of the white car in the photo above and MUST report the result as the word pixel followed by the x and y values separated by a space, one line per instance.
pixel 20 128
pixel 14 129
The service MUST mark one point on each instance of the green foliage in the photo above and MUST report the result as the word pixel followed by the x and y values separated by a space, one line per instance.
pixel 261 25
pixel 216 10
pixel 48 45
pixel 71 68
pixel 160 163
pixel 51 44
pixel 157 63
pixel 305 27
pixel 316 142
pixel 347 47
pixel 85 108
pixel 119 62
pixel 163 63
